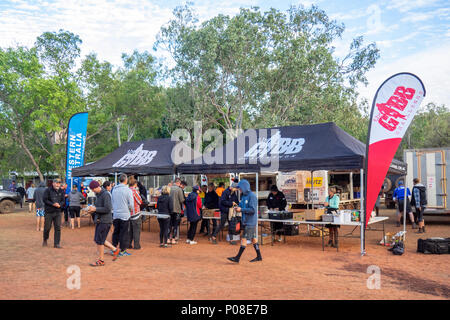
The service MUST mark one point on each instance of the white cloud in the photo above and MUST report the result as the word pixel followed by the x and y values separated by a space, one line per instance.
pixel 390 43
pixel 432 66
pixel 106 27
pixel 309 3
pixel 442 13
pixel 409 5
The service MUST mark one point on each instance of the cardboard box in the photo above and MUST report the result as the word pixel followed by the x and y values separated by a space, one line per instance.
pixel 318 232
pixel 208 212
pixel 299 216
pixel 344 196
pixel 315 214
pixel 264 239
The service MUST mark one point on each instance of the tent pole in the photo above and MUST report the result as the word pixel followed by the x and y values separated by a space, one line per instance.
pixel 351 185
pixel 405 199
pixel 312 190
pixel 115 178
pixel 257 204
pixel 362 217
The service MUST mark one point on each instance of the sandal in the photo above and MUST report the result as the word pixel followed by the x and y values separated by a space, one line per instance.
pixel 98 263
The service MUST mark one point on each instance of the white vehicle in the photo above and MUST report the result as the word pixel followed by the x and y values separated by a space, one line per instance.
pixel 431 166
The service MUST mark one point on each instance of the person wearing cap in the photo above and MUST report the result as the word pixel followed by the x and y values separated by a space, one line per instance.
pixel 228 199
pixel 54 201
pixel 276 201
pixel 399 197
pixel 193 213
pixel 248 206
pixel 102 212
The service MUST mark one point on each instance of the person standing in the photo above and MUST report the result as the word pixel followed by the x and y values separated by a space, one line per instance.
pixel 165 206
pixel 220 189
pixel 204 227
pixel 276 201
pixel 83 191
pixel 211 201
pixel 332 205
pixel 177 195
pixel 38 198
pixel 123 205
pixel 135 218
pixel 419 201
pixel 228 199
pixel 248 207
pixel 66 191
pixel 102 211
pixel 193 213
pixel 75 198
pixel 22 192
pixel 30 198
pixel 399 197
pixel 53 199
pixel 12 186
pixel 107 185
pixel 142 193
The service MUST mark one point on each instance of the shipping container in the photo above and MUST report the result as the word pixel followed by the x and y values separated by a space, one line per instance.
pixel 431 167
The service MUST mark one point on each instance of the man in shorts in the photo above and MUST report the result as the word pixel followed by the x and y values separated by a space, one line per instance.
pixel 38 197
pixel 248 207
pixel 103 220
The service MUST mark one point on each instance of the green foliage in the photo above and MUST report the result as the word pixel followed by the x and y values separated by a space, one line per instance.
pixel 429 129
pixel 255 69
pixel 262 69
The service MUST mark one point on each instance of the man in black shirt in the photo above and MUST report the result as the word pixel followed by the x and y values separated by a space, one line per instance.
pixel 54 201
pixel 276 200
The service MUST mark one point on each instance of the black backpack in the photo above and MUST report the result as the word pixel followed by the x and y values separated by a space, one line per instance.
pixel 433 245
pixel 398 248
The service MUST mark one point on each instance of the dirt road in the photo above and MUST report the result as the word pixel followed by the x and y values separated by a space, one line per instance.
pixel 298 269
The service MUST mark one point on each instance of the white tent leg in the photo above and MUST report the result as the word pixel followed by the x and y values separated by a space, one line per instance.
pixel 362 216
pixel 405 199
pixel 257 204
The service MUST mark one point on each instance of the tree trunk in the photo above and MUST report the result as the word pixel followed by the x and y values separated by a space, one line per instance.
pixel 21 141
pixel 118 123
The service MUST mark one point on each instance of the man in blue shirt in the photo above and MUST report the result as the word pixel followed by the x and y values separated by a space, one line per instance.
pixel 248 206
pixel 399 197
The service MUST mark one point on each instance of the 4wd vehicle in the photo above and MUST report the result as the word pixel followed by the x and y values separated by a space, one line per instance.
pixel 8 201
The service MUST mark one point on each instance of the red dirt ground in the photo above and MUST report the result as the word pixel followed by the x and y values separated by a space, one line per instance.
pixel 297 269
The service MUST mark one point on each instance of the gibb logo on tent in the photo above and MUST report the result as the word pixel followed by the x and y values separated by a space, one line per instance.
pixel 389 111
pixel 275 145
pixel 138 157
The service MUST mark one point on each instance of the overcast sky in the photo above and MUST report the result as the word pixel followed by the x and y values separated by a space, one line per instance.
pixel 412 35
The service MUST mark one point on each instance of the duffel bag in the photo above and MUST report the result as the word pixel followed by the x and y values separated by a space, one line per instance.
pixel 433 245
pixel 234 226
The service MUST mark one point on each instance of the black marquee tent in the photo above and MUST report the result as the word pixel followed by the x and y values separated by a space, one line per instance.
pixel 145 157
pixel 322 146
